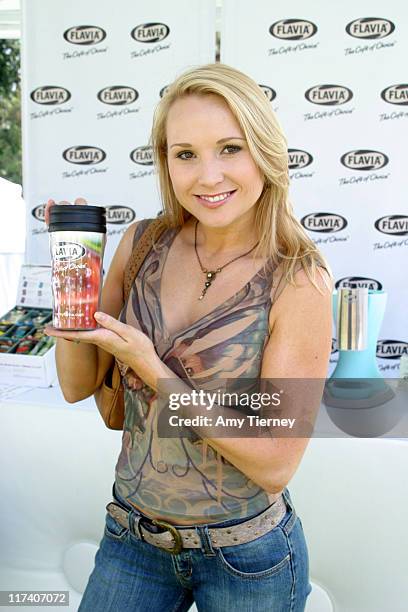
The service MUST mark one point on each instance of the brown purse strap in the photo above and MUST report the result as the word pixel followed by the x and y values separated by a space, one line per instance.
pixel 140 251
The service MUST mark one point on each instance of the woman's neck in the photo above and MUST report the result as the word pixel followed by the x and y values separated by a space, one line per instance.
pixel 234 239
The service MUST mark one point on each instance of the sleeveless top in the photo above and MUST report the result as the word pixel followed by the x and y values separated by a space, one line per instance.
pixel 183 478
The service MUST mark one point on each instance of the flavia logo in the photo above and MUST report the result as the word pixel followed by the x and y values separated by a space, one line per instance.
pixel 391 349
pixel 119 215
pixel 150 32
pixel 163 90
pixel 358 282
pixel 396 94
pixel 293 29
pixel 50 95
pixel 324 222
pixel 364 159
pixel 68 251
pixel 142 156
pixel 39 212
pixel 118 95
pixel 85 35
pixel 84 155
pixel 299 159
pixel 396 225
pixel 370 28
pixel 329 95
pixel 269 92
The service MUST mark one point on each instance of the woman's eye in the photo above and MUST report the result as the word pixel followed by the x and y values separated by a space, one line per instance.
pixel 230 149
pixel 183 153
pixel 233 148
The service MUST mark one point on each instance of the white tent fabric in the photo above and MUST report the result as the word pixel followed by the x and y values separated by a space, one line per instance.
pixel 13 221
pixel 12 208
pixel 9 18
pixel 12 241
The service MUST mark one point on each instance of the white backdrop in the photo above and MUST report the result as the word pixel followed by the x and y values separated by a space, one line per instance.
pixel 335 74
pixel 327 64
pixel 92 73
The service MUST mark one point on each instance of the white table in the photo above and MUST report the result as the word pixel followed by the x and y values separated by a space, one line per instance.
pixel 58 463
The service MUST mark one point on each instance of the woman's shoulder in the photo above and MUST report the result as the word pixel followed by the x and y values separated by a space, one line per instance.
pixel 129 239
pixel 133 234
pixel 137 228
pixel 298 276
pixel 161 222
pixel 301 289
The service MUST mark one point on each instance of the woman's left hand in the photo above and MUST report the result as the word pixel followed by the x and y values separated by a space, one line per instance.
pixel 129 345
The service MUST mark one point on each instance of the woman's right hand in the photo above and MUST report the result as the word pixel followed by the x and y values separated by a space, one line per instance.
pixel 52 202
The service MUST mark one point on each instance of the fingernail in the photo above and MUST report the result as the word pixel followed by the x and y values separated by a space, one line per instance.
pixel 99 316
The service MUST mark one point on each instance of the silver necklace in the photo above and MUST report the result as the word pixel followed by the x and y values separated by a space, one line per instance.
pixel 211 274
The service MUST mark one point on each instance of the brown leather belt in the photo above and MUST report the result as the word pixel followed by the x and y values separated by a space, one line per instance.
pixel 173 539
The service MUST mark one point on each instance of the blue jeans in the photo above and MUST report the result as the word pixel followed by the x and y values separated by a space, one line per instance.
pixel 269 574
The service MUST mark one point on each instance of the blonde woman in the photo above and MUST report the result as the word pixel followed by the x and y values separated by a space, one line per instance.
pixel 233 289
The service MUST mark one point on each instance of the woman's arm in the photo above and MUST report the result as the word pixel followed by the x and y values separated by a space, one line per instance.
pixel 82 367
pixel 298 350
pixel 295 356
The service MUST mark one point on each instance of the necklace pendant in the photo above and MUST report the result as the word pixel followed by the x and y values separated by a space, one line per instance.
pixel 204 291
pixel 210 275
pixel 207 285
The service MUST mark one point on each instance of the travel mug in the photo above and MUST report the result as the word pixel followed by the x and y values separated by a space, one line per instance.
pixel 77 243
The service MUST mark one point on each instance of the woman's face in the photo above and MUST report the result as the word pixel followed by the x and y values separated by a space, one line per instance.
pixel 213 174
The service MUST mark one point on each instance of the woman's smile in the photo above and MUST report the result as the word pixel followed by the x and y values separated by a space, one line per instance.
pixel 215 201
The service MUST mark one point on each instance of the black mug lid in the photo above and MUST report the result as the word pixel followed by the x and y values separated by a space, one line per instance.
pixel 77 217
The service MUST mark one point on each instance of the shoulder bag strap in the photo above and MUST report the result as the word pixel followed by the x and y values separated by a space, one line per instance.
pixel 140 251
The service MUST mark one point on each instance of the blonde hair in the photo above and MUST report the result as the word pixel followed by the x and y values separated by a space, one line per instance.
pixel 282 238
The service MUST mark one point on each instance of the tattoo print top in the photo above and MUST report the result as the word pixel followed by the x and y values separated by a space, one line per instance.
pixel 183 478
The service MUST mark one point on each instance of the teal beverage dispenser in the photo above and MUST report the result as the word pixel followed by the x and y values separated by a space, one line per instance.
pixel 358 314
pixel 357 383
